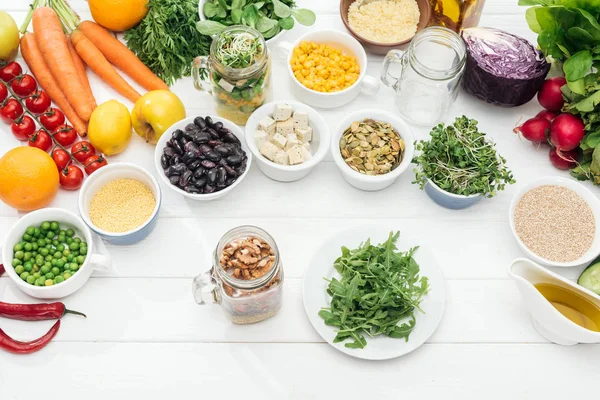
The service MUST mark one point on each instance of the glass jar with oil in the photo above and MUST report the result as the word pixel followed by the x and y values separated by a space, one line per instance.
pixel 573 306
pixel 456 14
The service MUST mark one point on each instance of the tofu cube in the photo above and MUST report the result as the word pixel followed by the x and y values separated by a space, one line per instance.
pixel 292 141
pixel 282 112
pixel 282 158
pixel 269 150
pixel 300 120
pixel 304 135
pixel 260 138
pixel 267 125
pixel 228 87
pixel 285 127
pixel 295 155
pixel 306 146
pixel 305 153
pixel 279 140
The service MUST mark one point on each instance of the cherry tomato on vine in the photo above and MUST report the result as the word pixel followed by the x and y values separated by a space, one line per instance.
pixel 71 177
pixel 23 85
pixel 61 158
pixel 38 102
pixel 10 71
pixel 23 127
pixel 3 93
pixel 93 163
pixel 41 140
pixel 65 135
pixel 82 151
pixel 52 118
pixel 10 110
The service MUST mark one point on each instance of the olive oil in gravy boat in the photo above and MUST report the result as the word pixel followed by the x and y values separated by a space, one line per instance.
pixel 547 320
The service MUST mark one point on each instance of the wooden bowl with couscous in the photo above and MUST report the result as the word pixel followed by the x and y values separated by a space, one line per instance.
pixel 384 25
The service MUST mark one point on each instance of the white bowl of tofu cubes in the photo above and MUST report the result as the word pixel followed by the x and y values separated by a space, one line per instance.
pixel 287 139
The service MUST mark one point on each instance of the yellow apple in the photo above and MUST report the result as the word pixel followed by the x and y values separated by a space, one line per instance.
pixel 155 112
pixel 9 37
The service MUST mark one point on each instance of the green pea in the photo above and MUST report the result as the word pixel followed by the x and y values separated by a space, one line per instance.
pixel 30 279
pixel 16 262
pixel 34 246
pixel 44 270
pixel 83 250
pixel 77 240
pixel 49 282
pixel 48 246
pixel 54 262
pixel 27 256
pixel 17 247
pixel 54 226
pixel 50 235
pixel 60 263
pixel 80 260
pixel 70 257
pixel 19 269
pixel 45 225
pixel 66 252
pixel 27 237
pixel 62 232
pixel 75 253
pixel 74 246
pixel 41 242
pixel 55 243
pixel 74 267
pixel 36 275
pixel 44 252
pixel 67 275
pixel 69 240
pixel 60 247
pixel 36 267
pixel 30 230
pixel 39 282
pixel 40 260
pixel 37 232
pixel 28 247
pixel 49 275
pixel 61 238
pixel 48 264
pixel 28 267
pixel 55 271
pixel 19 255
pixel 58 254
pixel 24 275
pixel 59 279
pixel 70 232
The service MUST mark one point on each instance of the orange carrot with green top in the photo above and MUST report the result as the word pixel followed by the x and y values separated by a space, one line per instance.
pixel 82 73
pixel 119 55
pixel 98 63
pixel 52 43
pixel 33 57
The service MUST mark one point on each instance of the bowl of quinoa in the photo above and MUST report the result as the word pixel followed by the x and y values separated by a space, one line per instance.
pixel 120 203
pixel 383 25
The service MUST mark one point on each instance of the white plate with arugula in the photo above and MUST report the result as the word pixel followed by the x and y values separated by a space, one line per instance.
pixel 397 293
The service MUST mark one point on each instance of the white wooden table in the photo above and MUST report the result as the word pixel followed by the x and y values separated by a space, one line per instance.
pixel 146 338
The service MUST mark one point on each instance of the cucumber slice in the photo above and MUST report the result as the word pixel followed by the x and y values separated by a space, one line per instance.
pixel 590 278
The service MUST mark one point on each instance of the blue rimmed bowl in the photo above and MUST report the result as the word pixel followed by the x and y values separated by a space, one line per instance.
pixel 109 173
pixel 450 200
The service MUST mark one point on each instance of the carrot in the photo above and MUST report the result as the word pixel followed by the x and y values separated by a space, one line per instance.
pixel 33 57
pixel 119 55
pixel 52 43
pixel 98 63
pixel 82 73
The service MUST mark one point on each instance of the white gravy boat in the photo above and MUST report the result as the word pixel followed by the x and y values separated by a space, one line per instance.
pixel 547 320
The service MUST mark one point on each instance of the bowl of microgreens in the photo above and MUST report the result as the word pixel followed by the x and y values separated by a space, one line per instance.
pixel 270 17
pixel 458 166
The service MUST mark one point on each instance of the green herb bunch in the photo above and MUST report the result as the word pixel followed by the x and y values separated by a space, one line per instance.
pixel 167 40
pixel 268 17
pixel 379 287
pixel 460 160
pixel 238 50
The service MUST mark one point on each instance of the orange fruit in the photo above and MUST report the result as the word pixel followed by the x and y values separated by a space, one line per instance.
pixel 28 178
pixel 118 15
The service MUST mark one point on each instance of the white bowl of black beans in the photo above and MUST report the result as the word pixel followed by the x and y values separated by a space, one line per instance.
pixel 202 158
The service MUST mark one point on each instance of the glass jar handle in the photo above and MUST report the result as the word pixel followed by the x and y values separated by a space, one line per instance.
pixel 392 57
pixel 200 69
pixel 203 286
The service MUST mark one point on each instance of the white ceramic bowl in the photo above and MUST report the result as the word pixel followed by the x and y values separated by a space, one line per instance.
pixel 107 174
pixel 450 200
pixel 318 146
pixel 162 143
pixel 377 182
pixel 203 18
pixel 368 84
pixel 67 220
pixel 578 188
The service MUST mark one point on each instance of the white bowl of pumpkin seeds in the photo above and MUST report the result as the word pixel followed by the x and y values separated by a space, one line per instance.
pixel 372 148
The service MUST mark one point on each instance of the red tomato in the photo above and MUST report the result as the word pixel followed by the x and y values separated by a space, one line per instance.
pixel 3 93
pixel 65 135
pixel 23 85
pixel 61 158
pixel 82 151
pixel 52 118
pixel 93 163
pixel 38 102
pixel 41 140
pixel 10 110
pixel 10 71
pixel 71 177
pixel 23 127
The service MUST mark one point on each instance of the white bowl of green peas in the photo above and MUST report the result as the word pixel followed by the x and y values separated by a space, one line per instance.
pixel 49 253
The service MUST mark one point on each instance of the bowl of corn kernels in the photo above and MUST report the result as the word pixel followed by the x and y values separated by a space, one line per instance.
pixel 328 68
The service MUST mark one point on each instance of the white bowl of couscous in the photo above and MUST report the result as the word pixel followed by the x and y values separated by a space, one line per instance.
pixel 120 203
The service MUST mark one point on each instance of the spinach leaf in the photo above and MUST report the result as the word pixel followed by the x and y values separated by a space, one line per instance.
pixel 281 10
pixel 578 65
pixel 250 15
pixel 286 23
pixel 210 9
pixel 264 24
pixel 304 16
pixel 209 28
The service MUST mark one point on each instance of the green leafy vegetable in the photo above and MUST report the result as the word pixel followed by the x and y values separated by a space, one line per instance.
pixel 460 160
pixel 379 288
pixel 238 49
pixel 167 40
pixel 269 17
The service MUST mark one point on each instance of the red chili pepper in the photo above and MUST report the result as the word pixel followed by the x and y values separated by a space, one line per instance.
pixel 1 269
pixel 14 346
pixel 35 312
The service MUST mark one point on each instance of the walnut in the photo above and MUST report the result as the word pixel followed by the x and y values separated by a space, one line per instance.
pixel 248 258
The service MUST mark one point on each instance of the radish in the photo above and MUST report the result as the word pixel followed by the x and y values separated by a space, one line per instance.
pixel 549 115
pixel 550 96
pixel 563 160
pixel 566 132
pixel 534 129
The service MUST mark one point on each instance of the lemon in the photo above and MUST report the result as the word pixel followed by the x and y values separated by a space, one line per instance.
pixel 109 129
pixel 9 37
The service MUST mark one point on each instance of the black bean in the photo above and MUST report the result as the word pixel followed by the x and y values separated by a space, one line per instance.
pixel 194 165
pixel 204 148
pixel 200 137
pixel 200 122
pixel 234 160
pixel 221 175
pixel 230 137
pixel 209 189
pixel 220 185
pixel 200 171
pixel 169 145
pixel 192 189
pixel 177 146
pixel 185 178
pixel 230 171
pixel 213 156
pixel 213 134
pixel 176 159
pixel 199 182
pixel 212 176
pixel 191 146
pixel 209 121
pixel 174 180
pixel 214 143
pixel 169 152
pixel 164 161
pixel 230 181
pixel 188 157
pixel 222 150
pixel 177 134
pixel 178 169
pixel 208 164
